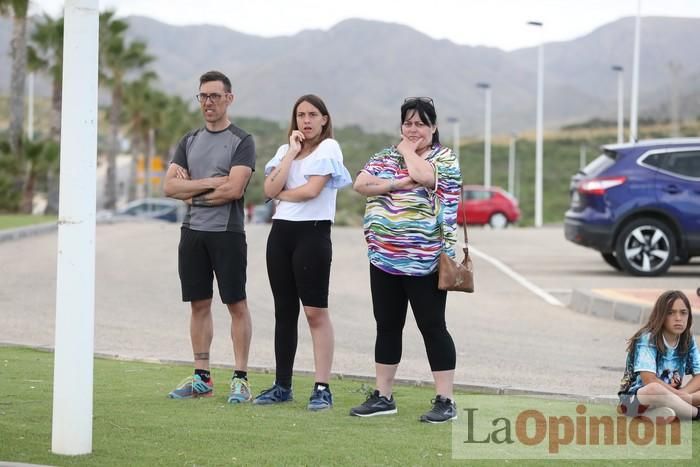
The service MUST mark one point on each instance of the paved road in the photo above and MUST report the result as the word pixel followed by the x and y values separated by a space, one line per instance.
pixel 505 335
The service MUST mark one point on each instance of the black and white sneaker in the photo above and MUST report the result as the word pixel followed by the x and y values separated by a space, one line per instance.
pixel 375 404
pixel 443 411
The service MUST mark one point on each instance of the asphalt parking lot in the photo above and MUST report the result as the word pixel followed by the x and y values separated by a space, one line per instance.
pixel 558 266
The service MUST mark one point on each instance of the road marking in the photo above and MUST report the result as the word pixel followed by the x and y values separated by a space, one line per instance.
pixel 517 277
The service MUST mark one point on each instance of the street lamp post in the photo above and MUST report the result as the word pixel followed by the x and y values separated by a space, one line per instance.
pixel 675 69
pixel 455 136
pixel 487 133
pixel 620 102
pixel 635 75
pixel 539 130
pixel 511 163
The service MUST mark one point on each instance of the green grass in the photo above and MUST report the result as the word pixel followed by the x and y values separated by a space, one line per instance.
pixel 11 221
pixel 136 424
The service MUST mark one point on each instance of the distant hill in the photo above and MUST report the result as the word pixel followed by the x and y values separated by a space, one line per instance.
pixel 363 69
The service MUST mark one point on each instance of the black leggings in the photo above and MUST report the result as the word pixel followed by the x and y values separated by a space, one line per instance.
pixel 298 266
pixel 390 297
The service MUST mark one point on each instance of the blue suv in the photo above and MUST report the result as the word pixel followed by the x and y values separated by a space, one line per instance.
pixel 639 205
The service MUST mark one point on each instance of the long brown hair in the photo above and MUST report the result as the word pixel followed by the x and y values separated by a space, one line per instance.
pixel 326 130
pixel 655 325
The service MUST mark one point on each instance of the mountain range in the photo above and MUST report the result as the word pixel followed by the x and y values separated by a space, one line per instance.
pixel 363 69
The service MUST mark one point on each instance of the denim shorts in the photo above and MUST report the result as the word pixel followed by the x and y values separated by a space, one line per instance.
pixel 630 405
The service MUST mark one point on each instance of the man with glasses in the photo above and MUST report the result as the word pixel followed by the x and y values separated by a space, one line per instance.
pixel 210 172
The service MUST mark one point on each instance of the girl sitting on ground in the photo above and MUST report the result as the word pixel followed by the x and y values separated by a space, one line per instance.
pixel 664 346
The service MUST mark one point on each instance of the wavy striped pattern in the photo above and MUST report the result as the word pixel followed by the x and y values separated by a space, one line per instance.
pixel 402 229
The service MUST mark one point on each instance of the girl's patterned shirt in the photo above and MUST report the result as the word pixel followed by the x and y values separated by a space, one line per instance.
pixel 669 367
pixel 402 230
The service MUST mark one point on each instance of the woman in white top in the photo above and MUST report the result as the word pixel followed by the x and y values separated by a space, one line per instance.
pixel 304 176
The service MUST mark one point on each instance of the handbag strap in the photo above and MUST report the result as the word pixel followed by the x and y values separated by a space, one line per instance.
pixel 464 224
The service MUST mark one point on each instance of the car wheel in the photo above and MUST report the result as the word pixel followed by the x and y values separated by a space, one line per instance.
pixel 646 247
pixel 611 260
pixel 498 220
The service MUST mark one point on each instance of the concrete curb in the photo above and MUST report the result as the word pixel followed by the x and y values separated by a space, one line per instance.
pixel 21 464
pixel 590 303
pixel 7 235
pixel 467 387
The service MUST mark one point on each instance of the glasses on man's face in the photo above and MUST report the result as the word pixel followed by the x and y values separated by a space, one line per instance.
pixel 214 97
pixel 427 100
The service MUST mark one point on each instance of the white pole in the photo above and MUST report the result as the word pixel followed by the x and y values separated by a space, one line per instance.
pixel 539 129
pixel 30 107
pixel 455 137
pixel 675 69
pixel 620 107
pixel 511 165
pixel 582 156
pixel 635 75
pixel 487 140
pixel 539 136
pixel 620 103
pixel 487 132
pixel 75 278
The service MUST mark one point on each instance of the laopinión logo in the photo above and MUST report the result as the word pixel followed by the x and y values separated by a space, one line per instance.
pixel 518 427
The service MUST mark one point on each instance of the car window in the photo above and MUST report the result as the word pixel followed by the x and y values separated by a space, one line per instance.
pixel 659 160
pixel 598 165
pixel 682 163
pixel 685 163
pixel 476 195
pixel 136 209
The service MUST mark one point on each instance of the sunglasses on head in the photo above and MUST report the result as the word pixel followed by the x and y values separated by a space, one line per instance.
pixel 411 100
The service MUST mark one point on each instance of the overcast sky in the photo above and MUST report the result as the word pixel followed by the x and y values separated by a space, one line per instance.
pixel 494 23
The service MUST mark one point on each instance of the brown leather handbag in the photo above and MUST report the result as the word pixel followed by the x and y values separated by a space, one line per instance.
pixel 452 275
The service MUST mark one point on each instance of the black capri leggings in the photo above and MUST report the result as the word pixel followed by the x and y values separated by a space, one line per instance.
pixel 390 297
pixel 298 266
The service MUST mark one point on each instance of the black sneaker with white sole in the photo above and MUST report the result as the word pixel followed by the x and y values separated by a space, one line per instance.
pixel 443 411
pixel 375 404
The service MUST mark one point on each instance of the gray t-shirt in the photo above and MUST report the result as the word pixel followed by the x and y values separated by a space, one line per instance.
pixel 206 154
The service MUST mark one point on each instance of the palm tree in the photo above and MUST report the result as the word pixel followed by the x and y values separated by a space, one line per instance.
pixel 45 54
pixel 9 170
pixel 117 59
pixel 19 69
pixel 142 108
pixel 178 119
pixel 42 157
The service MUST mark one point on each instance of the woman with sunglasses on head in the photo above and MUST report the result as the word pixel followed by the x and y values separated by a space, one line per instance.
pixel 412 192
pixel 304 176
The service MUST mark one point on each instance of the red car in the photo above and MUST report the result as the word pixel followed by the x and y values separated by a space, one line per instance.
pixel 493 206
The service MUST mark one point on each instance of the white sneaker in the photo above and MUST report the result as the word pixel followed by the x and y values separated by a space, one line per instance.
pixel 666 414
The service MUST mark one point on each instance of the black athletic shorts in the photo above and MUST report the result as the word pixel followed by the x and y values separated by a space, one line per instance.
pixel 203 254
